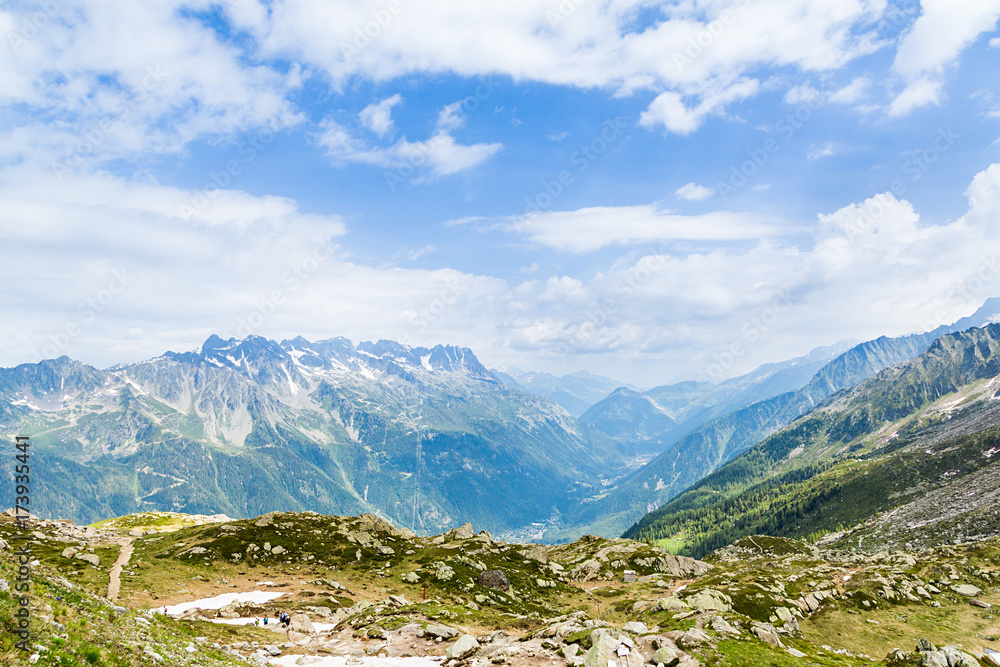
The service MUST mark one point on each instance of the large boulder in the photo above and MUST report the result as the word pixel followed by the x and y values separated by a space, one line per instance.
pixel 495 579
pixel 967 590
pixel 668 656
pixel 536 552
pixel 463 647
pixel 464 532
pixel 604 650
pixel 93 559
pixel 301 623
pixel 710 599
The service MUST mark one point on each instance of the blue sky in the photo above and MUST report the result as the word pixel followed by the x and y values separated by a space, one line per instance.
pixel 640 189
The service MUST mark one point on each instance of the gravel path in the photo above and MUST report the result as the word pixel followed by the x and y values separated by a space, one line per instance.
pixel 114 576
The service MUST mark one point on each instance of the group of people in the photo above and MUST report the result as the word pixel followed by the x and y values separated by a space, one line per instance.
pixel 283 619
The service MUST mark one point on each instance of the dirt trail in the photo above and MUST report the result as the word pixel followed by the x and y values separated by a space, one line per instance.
pixel 114 576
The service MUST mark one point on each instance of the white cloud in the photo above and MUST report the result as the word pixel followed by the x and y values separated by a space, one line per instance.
pixel 873 268
pixel 802 94
pixel 826 150
pixel 918 94
pixel 440 155
pixel 378 117
pixel 852 92
pixel 590 229
pixel 943 30
pixel 693 192
pixel 669 109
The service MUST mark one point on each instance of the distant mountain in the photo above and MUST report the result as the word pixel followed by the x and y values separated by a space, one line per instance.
pixel 576 391
pixel 717 441
pixel 911 455
pixel 428 437
pixel 654 420
pixel 630 417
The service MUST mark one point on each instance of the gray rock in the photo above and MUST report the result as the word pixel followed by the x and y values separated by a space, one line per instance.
pixel 667 656
pixel 136 532
pixel 979 603
pixel 69 552
pixel 441 631
pixel 278 550
pixel 957 658
pixel 495 579
pixel 967 590
pixel 464 532
pixel 635 628
pixel 766 633
pixel 710 599
pixel 723 626
pixel 670 603
pixel 4 586
pixel 693 638
pixel 536 552
pixel 444 573
pixel 301 623
pixel 934 659
pixel 385 551
pixel 272 650
pixel 602 652
pixel 411 577
pixel 463 647
pixel 93 559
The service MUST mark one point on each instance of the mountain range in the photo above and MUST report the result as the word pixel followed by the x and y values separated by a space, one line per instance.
pixel 426 437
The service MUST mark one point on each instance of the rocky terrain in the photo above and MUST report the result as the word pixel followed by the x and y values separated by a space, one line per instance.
pixel 362 591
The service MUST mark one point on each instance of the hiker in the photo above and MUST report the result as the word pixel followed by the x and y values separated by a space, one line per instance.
pixel 256 621
pixel 265 620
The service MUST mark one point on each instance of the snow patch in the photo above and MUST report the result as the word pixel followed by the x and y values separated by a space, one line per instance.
pixel 220 601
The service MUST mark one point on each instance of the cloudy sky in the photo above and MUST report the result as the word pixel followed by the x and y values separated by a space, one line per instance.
pixel 641 189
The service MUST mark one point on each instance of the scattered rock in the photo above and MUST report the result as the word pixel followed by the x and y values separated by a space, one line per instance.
pixel 967 590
